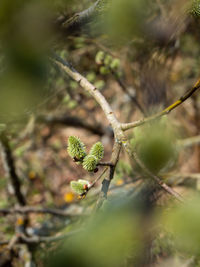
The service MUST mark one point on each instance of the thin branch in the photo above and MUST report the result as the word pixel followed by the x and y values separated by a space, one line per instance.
pixel 166 188
pixel 73 121
pixel 79 20
pixel 9 166
pixel 125 90
pixel 83 195
pixel 190 141
pixel 109 176
pixel 127 126
pixel 30 209
pixel 105 164
pixel 23 239
pixel 46 239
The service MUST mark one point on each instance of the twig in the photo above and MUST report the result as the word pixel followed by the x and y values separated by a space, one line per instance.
pixel 79 20
pixel 9 166
pixel 106 182
pixel 125 90
pixel 46 239
pixel 127 126
pixel 29 209
pixel 21 238
pixel 93 184
pixel 168 189
pixel 73 121
pixel 190 141
pixel 105 164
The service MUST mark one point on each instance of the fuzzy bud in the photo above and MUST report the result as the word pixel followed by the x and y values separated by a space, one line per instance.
pixel 195 10
pixel 80 186
pixel 76 148
pixel 90 163
pixel 97 150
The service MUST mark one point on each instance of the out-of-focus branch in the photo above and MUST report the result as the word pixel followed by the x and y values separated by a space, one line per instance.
pixel 9 166
pixel 127 126
pixel 23 239
pixel 79 20
pixel 126 91
pixel 74 121
pixel 168 189
pixel 30 209
pixel 190 141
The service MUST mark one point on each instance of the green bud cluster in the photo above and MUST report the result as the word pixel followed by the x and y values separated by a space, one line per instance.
pixel 79 186
pixel 76 150
pixel 107 62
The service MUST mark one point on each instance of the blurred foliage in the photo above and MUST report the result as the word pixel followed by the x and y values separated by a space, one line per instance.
pixel 186 235
pixel 108 239
pixel 155 144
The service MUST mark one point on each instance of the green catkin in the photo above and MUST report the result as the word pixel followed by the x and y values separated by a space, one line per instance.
pixel 195 10
pixel 76 148
pixel 97 150
pixel 90 163
pixel 78 186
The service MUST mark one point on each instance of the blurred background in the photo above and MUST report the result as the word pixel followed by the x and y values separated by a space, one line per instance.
pixel 142 56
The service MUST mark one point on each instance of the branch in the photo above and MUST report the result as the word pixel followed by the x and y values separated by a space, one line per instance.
pixel 90 88
pixel 23 239
pixel 120 138
pixel 9 166
pixel 190 141
pixel 79 20
pixel 109 176
pixel 29 209
pixel 105 164
pixel 46 239
pixel 93 184
pixel 164 186
pixel 73 121
pixel 127 126
pixel 126 91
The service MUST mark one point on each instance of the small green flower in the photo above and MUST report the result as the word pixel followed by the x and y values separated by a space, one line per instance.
pixel 79 186
pixel 76 148
pixel 90 163
pixel 97 150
